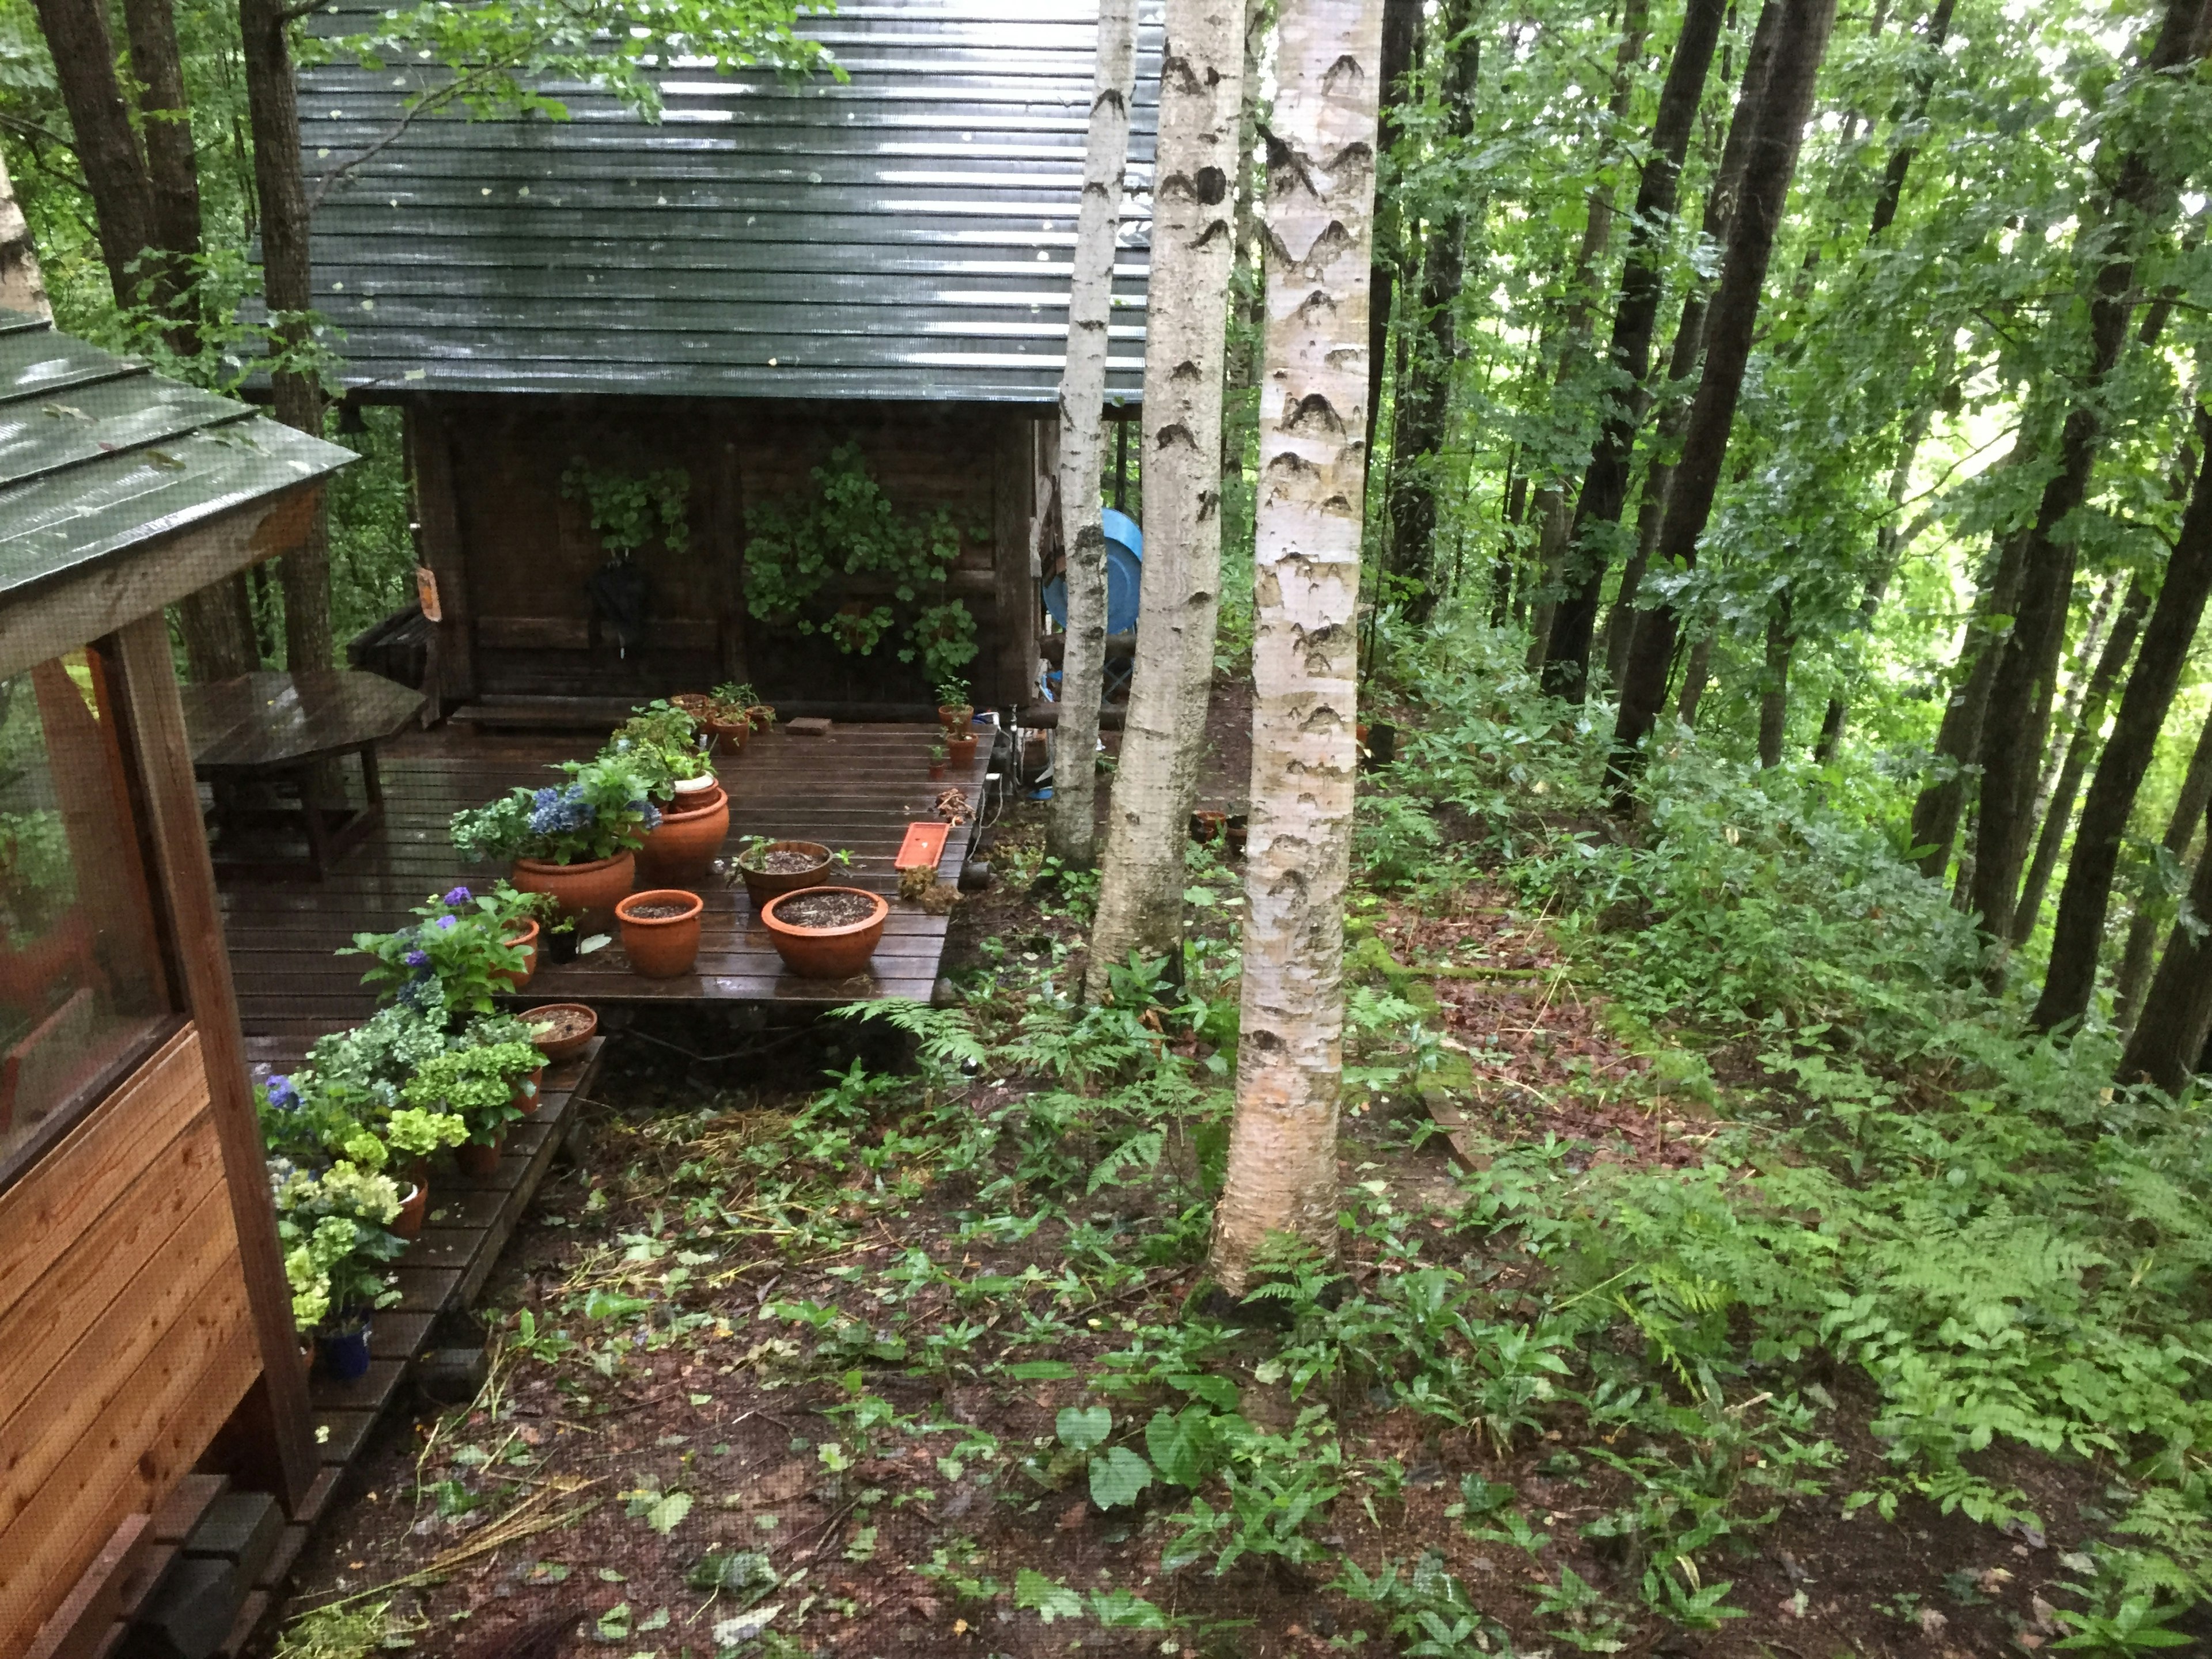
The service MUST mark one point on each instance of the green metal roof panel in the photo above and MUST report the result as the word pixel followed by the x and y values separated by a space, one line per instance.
pixel 906 235
pixel 99 456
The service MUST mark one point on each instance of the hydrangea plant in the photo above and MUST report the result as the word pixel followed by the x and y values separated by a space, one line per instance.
pixel 604 809
pixel 478 1084
pixel 333 1227
pixel 662 744
pixel 453 959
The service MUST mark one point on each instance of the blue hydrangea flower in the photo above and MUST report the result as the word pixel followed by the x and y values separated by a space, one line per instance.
pixel 416 958
pixel 445 924
pixel 281 1095
pixel 651 812
pixel 458 895
pixel 561 811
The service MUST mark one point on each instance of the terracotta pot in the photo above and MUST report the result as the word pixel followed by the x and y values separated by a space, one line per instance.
pixel 936 771
pixel 660 947
pixel 307 1357
pixel 587 892
pixel 730 732
pixel 962 749
pixel 527 938
pixel 760 886
pixel 952 716
pixel 475 1159
pixel 676 854
pixel 556 1048
pixel 826 952
pixel 412 1208
pixel 761 716
pixel 527 1092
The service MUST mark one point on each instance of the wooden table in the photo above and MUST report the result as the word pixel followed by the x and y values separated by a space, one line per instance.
pixel 288 729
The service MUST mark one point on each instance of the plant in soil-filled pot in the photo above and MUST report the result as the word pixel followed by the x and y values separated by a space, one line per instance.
pixel 769 867
pixel 730 714
pixel 954 711
pixel 461 951
pixel 560 1030
pixel 506 1030
pixel 413 1133
pixel 478 1085
pixel 666 747
pixel 963 748
pixel 334 1228
pixel 660 931
pixel 574 841
pixel 826 932
pixel 939 754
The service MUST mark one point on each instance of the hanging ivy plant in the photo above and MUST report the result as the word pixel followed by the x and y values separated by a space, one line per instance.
pixel 797 550
pixel 630 509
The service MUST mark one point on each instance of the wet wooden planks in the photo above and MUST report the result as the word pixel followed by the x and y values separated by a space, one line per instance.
pixel 856 787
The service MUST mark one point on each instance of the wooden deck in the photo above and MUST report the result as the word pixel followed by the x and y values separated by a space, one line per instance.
pixel 854 787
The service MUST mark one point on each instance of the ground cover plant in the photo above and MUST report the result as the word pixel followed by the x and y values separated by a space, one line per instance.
pixel 1722 1271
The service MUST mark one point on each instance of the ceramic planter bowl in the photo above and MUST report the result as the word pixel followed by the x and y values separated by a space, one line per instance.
pixel 660 946
pixel 689 838
pixel 476 1159
pixel 761 885
pixel 527 938
pixel 564 1028
pixel 836 952
pixel 344 1353
pixel 587 892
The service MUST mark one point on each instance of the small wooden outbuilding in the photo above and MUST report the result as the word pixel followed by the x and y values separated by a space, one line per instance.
pixel 145 1323
pixel 772 272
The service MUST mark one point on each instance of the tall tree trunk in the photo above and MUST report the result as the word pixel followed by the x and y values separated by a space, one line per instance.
pixel 1423 412
pixel 1936 811
pixel 1801 41
pixel 1774 682
pixel 2142 197
pixel 2087 730
pixel 2077 689
pixel 2189 810
pixel 1605 482
pixel 83 51
pixel 1282 1177
pixel 1401 51
pixel 2080 928
pixel 1889 546
pixel 23 284
pixel 1932 37
pixel 288 285
pixel 2170 1036
pixel 1163 733
pixel 172 162
pixel 1697 674
pixel 1721 197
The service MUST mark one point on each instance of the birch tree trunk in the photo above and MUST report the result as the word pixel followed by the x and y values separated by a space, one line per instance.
pixel 22 285
pixel 1186 331
pixel 1072 833
pixel 1282 1178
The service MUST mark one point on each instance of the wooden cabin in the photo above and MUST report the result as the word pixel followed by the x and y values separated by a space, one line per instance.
pixel 145 1325
pixel 772 271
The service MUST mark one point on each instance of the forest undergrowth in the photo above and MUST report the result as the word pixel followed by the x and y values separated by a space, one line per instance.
pixel 1770 1292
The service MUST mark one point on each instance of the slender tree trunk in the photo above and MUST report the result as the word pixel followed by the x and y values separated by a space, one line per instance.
pixel 23 284
pixel 1774 682
pixel 1164 734
pixel 2077 690
pixel 83 51
pixel 1935 813
pixel 173 165
pixel 2087 729
pixel 1889 546
pixel 1721 197
pixel 1801 41
pixel 2169 1036
pixel 1282 1176
pixel 2189 810
pixel 288 285
pixel 1697 674
pixel 1423 402
pixel 1401 51
pixel 1605 483
pixel 2080 928
pixel 2142 197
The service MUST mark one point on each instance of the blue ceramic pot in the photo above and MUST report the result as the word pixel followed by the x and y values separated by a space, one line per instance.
pixel 345 1353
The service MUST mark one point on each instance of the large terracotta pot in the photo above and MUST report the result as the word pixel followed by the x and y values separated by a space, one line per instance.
pixel 760 886
pixel 587 892
pixel 660 947
pixel 826 952
pixel 676 854
pixel 474 1158
pixel 527 938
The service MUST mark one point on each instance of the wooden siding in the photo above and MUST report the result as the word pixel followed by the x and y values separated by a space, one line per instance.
pixel 513 557
pixel 126 1337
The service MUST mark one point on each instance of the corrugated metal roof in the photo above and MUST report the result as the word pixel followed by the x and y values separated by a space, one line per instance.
pixel 905 234
pixel 98 455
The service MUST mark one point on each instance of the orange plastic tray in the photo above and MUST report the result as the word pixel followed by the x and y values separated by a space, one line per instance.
pixel 924 845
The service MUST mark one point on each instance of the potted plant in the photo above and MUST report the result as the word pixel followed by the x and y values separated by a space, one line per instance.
pixel 560 1029
pixel 660 931
pixel 415 1133
pixel 729 712
pixel 954 711
pixel 663 744
pixel 479 1083
pixel 574 841
pixel 461 952
pixel 508 1031
pixel 825 933
pixel 334 1227
pixel 963 746
pixel 770 867
pixel 937 756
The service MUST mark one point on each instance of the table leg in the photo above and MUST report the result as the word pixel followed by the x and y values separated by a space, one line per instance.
pixel 310 811
pixel 371 782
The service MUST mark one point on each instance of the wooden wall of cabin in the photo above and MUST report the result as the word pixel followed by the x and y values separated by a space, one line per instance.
pixel 127 1339
pixel 512 558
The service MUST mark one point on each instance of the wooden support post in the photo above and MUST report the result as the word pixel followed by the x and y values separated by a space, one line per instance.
pixel 1013 557
pixel 276 1437
pixel 438 543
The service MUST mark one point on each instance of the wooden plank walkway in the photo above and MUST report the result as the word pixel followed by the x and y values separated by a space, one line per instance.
pixel 854 787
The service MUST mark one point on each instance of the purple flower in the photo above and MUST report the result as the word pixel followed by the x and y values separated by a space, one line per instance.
pixel 445 924
pixel 416 958
pixel 458 895
pixel 281 1095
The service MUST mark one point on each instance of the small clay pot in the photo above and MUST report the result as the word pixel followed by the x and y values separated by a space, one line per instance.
pixel 962 749
pixel 731 731
pixel 476 1159
pixel 936 771
pixel 413 1209
pixel 527 938
pixel 526 1092
pixel 588 891
pixel 762 885
pixel 564 1048
pixel 660 947
pixel 953 716
pixel 690 837
pixel 826 952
